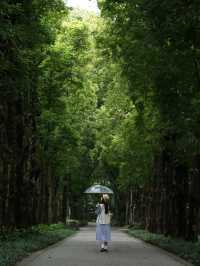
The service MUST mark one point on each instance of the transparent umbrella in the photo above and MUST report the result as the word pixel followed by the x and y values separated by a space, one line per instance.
pixel 98 189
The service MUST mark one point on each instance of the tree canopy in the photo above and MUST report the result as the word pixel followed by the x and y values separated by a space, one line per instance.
pixel 112 99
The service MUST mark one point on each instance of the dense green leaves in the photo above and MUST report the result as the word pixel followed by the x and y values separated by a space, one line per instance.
pixel 24 35
pixel 155 43
pixel 111 99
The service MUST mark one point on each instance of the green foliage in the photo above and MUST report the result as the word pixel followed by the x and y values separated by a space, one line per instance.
pixel 95 99
pixel 25 33
pixel 20 243
pixel 68 105
pixel 186 250
pixel 123 150
pixel 160 59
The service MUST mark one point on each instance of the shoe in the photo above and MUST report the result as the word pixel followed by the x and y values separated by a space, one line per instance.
pixel 102 248
pixel 106 248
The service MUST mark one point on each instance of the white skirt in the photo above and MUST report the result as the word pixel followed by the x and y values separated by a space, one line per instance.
pixel 103 232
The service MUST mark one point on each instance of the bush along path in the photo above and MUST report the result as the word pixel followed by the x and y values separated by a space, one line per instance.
pixel 82 250
pixel 189 251
pixel 19 244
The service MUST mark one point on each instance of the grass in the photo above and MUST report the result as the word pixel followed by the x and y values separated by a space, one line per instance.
pixel 189 251
pixel 19 244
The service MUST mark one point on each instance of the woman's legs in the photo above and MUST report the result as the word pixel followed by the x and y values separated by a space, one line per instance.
pixel 103 235
pixel 105 245
pixel 102 246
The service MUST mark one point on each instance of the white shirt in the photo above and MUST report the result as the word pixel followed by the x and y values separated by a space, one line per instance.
pixel 102 217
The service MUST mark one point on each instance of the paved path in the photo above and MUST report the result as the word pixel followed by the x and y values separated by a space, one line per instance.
pixel 82 250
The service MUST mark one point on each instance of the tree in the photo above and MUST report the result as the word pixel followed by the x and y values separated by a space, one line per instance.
pixel 68 102
pixel 24 34
pixel 158 53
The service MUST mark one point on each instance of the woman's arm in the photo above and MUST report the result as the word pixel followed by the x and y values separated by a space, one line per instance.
pixel 98 209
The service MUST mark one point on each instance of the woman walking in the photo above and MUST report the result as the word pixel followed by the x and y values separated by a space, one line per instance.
pixel 103 228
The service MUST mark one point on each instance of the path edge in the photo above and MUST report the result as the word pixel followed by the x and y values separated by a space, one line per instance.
pixel 33 255
pixel 160 249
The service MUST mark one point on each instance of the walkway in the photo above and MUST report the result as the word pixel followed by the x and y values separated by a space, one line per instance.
pixel 82 250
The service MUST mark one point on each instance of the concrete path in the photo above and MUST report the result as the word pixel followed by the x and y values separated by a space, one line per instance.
pixel 82 250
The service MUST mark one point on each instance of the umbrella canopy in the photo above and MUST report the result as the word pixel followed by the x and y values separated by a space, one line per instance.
pixel 98 189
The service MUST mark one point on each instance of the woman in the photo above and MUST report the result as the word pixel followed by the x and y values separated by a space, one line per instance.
pixel 103 230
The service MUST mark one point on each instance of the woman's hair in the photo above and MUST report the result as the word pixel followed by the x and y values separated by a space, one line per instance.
pixel 106 204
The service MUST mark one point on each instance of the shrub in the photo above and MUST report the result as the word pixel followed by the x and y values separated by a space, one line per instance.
pixel 187 250
pixel 14 246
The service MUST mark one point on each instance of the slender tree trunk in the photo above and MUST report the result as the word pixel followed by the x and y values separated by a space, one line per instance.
pixel 64 204
pixel 193 204
pixel 50 195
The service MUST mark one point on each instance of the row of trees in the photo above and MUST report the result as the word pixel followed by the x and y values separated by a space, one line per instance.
pixel 152 149
pixel 47 106
pixel 111 99
pixel 24 36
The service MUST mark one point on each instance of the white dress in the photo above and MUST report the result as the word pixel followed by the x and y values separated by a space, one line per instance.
pixel 103 229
